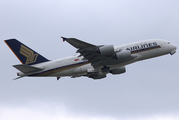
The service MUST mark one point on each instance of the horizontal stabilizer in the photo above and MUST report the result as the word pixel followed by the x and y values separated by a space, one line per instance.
pixel 17 78
pixel 27 68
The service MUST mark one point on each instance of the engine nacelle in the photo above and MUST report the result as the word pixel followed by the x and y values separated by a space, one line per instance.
pixel 80 70
pixel 99 76
pixel 106 50
pixel 123 55
pixel 119 70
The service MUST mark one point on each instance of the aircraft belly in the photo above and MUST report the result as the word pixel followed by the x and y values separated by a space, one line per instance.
pixel 153 53
pixel 81 70
pixel 68 72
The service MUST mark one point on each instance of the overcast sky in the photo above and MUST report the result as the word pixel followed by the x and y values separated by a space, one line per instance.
pixel 148 90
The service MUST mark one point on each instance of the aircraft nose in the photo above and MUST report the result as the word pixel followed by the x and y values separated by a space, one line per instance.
pixel 174 47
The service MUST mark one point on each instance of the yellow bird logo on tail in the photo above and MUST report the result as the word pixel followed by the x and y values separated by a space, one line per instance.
pixel 31 57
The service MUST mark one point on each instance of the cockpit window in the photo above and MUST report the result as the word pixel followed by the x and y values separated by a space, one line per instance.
pixel 168 42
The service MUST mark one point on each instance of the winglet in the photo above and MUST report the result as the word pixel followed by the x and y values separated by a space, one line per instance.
pixel 64 39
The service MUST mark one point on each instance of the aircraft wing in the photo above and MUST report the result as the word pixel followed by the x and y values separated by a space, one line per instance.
pixel 91 52
pixel 78 43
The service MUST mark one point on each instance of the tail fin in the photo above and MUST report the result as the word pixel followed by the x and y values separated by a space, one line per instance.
pixel 24 54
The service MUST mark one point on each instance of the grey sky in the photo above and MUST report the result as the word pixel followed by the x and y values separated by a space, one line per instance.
pixel 148 90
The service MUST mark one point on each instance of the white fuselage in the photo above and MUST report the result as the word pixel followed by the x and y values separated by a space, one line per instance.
pixel 75 66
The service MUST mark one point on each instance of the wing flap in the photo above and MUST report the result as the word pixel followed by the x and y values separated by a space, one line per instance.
pixel 27 68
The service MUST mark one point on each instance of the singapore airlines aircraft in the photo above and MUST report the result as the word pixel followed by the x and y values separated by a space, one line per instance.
pixel 94 61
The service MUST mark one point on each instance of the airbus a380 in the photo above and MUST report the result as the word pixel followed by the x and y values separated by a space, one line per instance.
pixel 94 61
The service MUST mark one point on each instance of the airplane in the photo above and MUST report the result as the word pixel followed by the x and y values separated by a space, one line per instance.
pixel 93 61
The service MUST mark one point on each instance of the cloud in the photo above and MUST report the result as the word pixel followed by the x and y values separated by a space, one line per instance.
pixel 52 111
pixel 43 111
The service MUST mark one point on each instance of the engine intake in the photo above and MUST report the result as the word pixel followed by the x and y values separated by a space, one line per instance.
pixel 106 50
pixel 123 55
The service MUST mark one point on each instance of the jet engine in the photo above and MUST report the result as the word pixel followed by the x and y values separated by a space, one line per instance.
pixel 123 55
pixel 98 76
pixel 119 70
pixel 106 50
